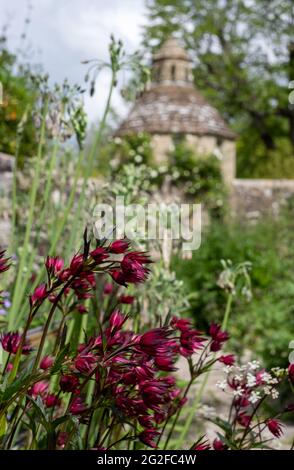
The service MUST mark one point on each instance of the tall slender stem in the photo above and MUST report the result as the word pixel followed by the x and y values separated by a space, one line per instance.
pixel 16 300
pixel 199 394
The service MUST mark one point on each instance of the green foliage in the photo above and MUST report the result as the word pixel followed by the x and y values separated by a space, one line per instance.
pixel 244 59
pixel 266 323
pixel 199 176
pixel 19 96
pixel 134 148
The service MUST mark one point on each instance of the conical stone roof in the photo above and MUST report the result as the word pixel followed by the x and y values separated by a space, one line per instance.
pixel 172 105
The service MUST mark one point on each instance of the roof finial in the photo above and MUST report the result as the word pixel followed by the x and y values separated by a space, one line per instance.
pixel 172 65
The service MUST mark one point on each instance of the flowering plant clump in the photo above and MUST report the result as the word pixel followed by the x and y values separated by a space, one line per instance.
pixel 114 385
pixel 250 386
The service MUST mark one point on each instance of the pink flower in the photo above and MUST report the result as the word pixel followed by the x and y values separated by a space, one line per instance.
pixel 39 388
pixel 218 337
pixel 291 372
pixel 289 407
pixel 154 393
pixel 126 299
pixel 51 400
pixel 119 246
pixel 46 362
pixel 77 406
pixel 108 287
pixel 39 294
pixel 243 419
pixel 190 341
pixel 76 265
pixel 153 339
pixel 202 445
pixel 4 266
pixel 118 277
pixel 69 383
pixel 219 445
pixel 228 360
pixel 275 427
pixel 146 421
pixel 54 265
pixel 62 439
pixel 9 367
pixel 82 309
pixel 85 363
pixel 99 255
pixel 116 320
pixel 132 269
pixel 165 362
pixel 181 324
pixel 11 342
pixel 148 437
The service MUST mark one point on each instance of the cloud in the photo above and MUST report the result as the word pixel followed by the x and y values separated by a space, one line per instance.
pixel 67 32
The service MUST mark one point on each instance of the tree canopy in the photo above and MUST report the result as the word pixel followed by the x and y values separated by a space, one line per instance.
pixel 243 53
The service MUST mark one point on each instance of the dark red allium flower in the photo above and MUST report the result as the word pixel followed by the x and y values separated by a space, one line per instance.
pixel 275 427
pixel 69 383
pixel 291 372
pixel 132 269
pixel 4 266
pixel 219 445
pixel 54 265
pixel 228 360
pixel 85 363
pixel 46 362
pixel 119 246
pixel 39 293
pixel 76 265
pixel 11 342
pixel 108 288
pixel 62 439
pixel 218 337
pixel 152 340
pixel 126 299
pixel 99 255
pixel 148 437
pixel 77 406
pixel 202 445
pixel 39 388
pixel 243 419
pixel 51 400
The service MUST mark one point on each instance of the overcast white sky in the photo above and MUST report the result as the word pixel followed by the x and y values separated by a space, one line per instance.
pixel 64 32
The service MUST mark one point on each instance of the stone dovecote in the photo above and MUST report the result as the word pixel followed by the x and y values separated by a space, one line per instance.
pixel 171 106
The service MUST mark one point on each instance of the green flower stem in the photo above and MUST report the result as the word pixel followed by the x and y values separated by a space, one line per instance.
pixel 89 168
pixel 14 197
pixel 16 300
pixel 227 311
pixel 199 395
pixel 47 191
pixel 48 321
pixel 177 416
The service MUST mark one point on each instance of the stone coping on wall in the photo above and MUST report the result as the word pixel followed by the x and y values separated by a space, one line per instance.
pixel 264 183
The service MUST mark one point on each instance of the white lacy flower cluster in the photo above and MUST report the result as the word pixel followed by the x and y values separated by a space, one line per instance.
pixel 250 381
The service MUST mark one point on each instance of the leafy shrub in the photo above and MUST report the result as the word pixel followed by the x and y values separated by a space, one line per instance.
pixel 199 175
pixel 266 323
pixel 19 97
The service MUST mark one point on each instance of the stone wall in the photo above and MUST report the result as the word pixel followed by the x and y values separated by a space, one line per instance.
pixel 251 198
